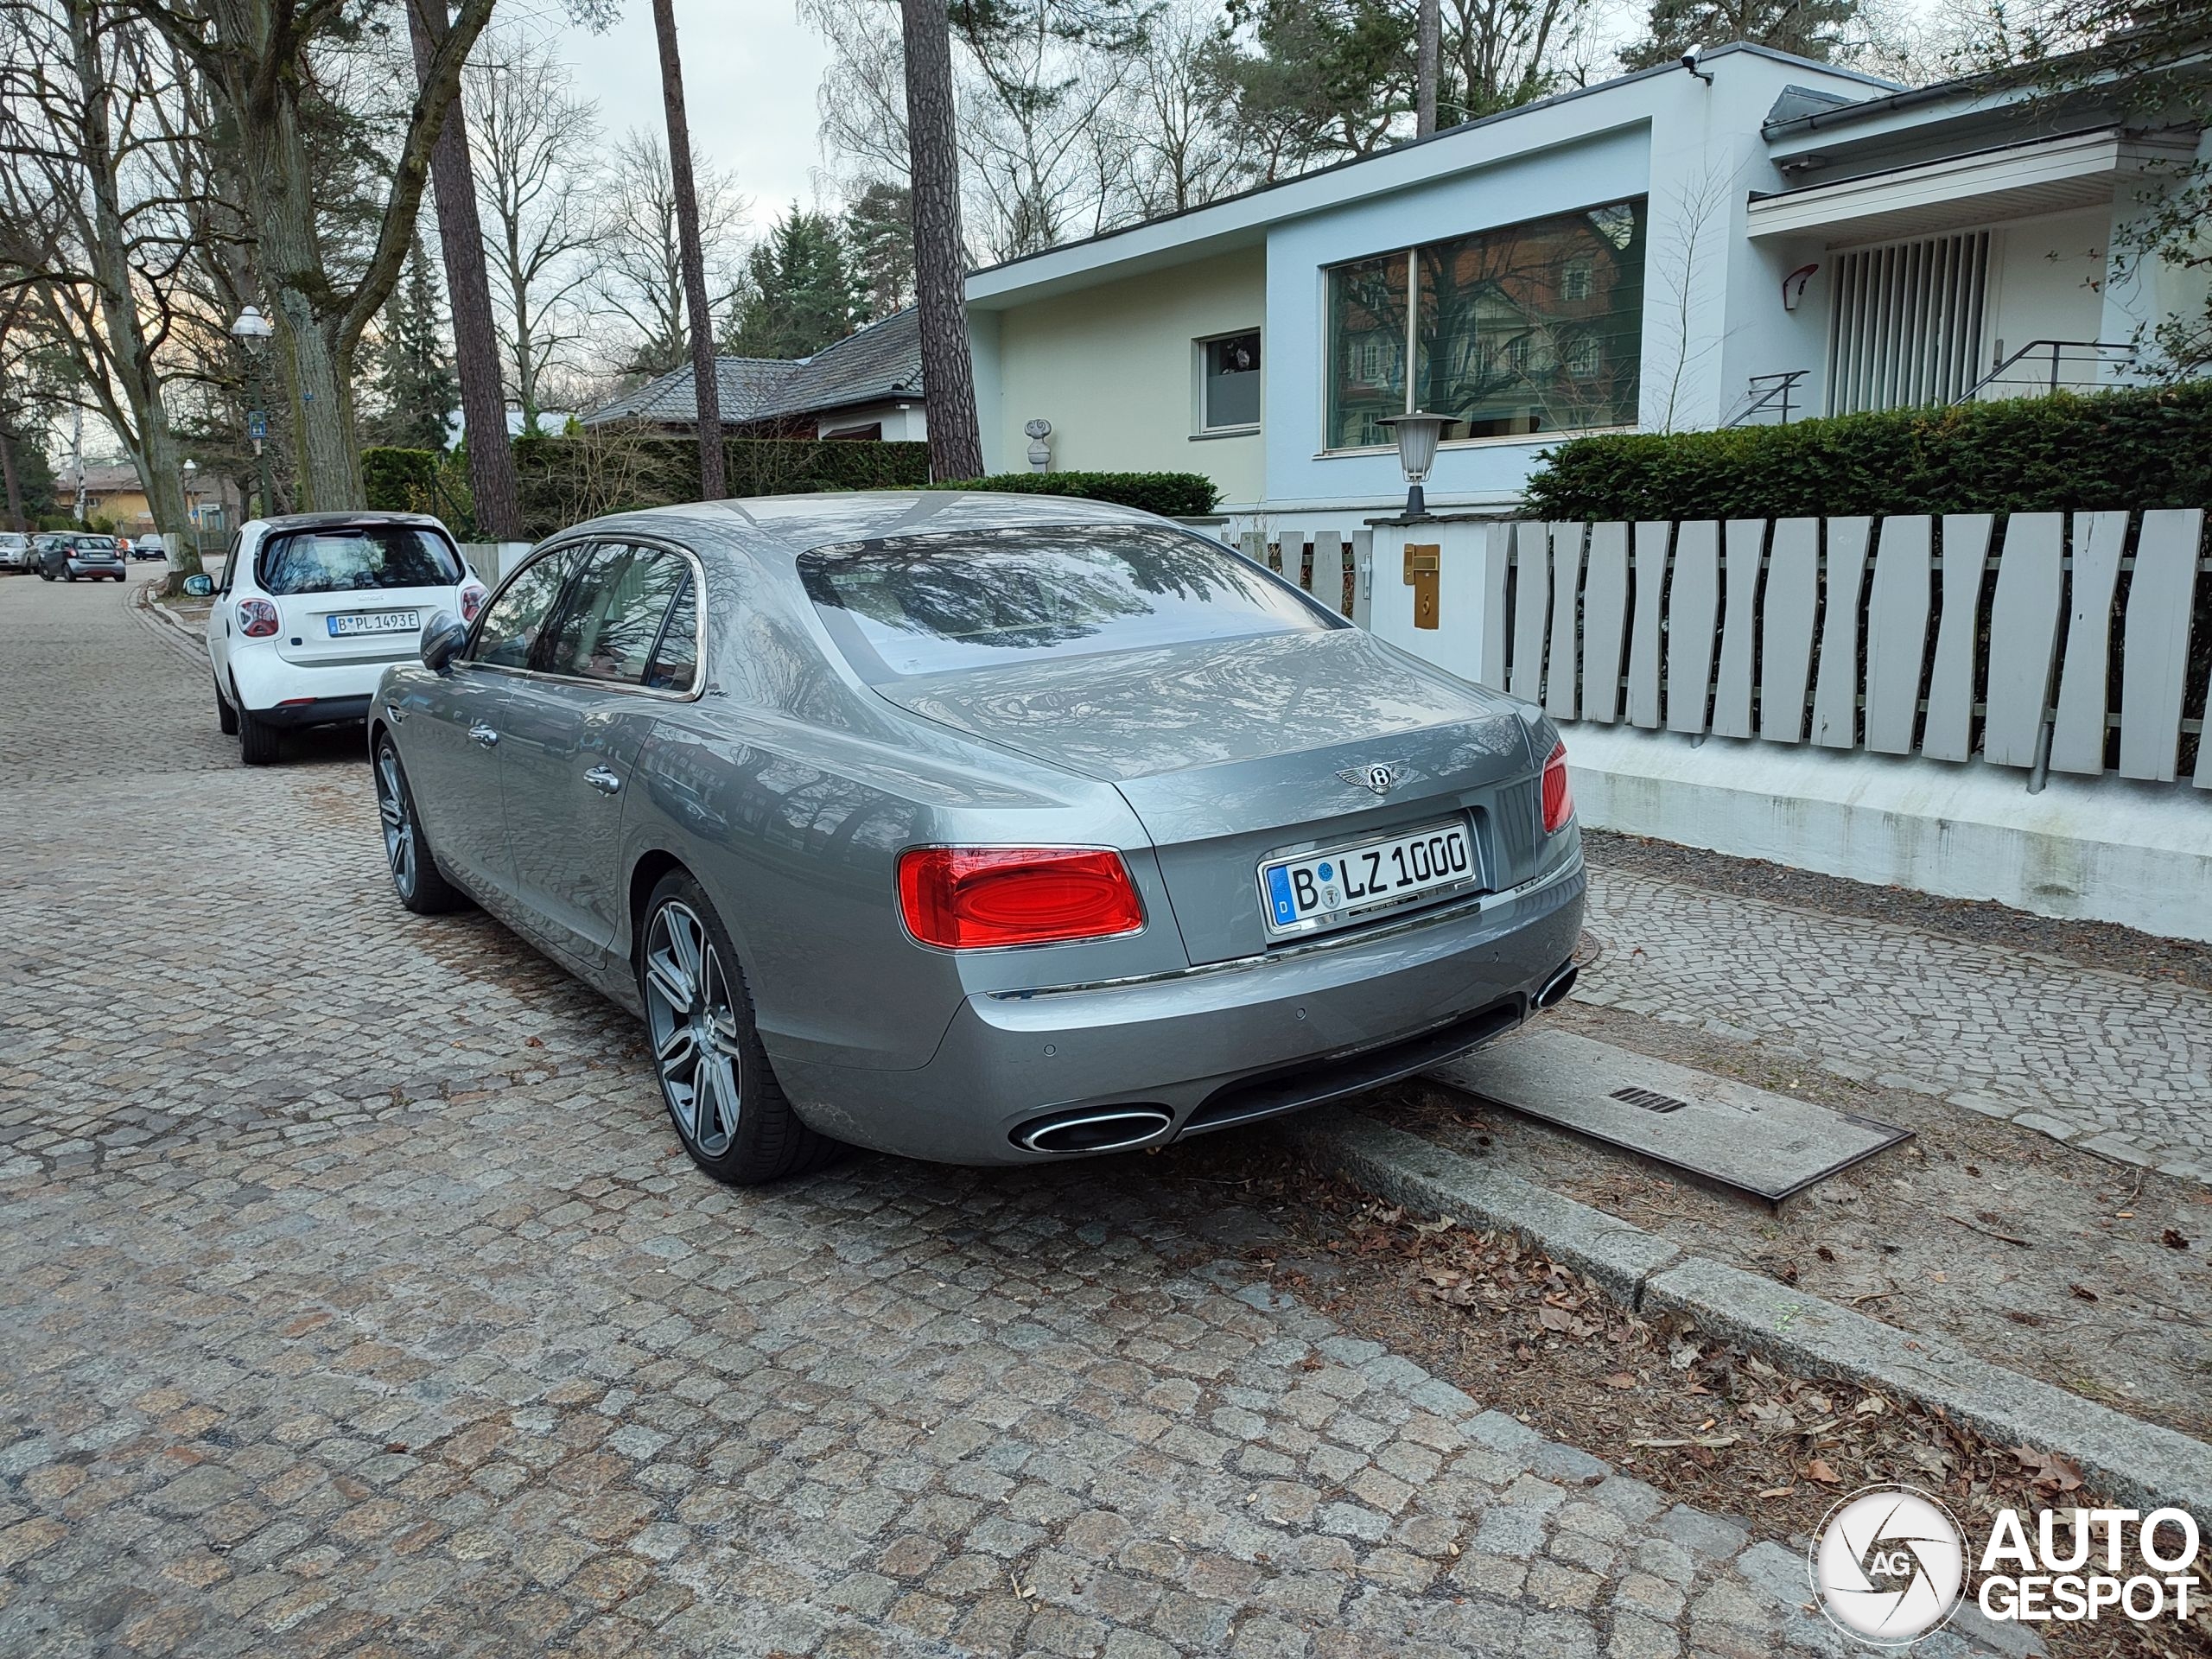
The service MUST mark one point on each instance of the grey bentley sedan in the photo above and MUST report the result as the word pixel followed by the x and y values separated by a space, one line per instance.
pixel 987 828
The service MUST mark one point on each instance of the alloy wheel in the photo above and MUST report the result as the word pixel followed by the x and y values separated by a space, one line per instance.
pixel 693 1026
pixel 399 844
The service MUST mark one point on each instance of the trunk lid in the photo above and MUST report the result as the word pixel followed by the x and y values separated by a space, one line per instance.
pixel 1230 752
pixel 371 624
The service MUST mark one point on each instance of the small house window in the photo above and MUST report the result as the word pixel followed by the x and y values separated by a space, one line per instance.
pixel 1231 396
pixel 1575 280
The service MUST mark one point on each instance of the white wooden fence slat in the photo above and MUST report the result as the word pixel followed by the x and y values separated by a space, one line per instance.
pixel 1732 703
pixel 1793 599
pixel 2022 634
pixel 1835 694
pixel 1693 615
pixel 1897 631
pixel 1604 622
pixel 1532 598
pixel 1361 554
pixel 1644 638
pixel 1949 731
pixel 2154 659
pixel 1497 622
pixel 1563 667
pixel 1253 544
pixel 2078 737
pixel 1329 570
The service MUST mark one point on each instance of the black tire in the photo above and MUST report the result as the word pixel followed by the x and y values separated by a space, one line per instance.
pixel 68 575
pixel 421 885
pixel 225 717
pixel 257 740
pixel 769 1142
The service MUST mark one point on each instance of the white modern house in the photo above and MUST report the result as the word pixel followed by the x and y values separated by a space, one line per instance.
pixel 1755 237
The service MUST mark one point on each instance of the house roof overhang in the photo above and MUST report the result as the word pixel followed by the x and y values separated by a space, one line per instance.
pixel 2042 176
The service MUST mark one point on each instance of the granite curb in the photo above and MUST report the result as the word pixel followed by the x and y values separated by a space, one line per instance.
pixel 2132 1462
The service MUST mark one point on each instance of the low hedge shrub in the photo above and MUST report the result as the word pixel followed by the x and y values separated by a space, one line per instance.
pixel 2140 448
pixel 1172 495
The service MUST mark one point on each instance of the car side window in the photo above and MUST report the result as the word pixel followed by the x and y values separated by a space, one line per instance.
pixel 231 560
pixel 508 634
pixel 675 665
pixel 612 619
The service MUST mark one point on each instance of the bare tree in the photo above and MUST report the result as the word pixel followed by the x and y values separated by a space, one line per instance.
pixel 476 346
pixel 257 59
pixel 534 144
pixel 638 271
pixel 1428 41
pixel 940 269
pixel 1170 142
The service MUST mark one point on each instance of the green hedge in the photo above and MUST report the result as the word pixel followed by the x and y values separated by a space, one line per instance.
pixel 1172 495
pixel 2149 448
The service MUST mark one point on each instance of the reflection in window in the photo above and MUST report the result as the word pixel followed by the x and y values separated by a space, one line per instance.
pixel 1532 327
pixel 1367 350
pixel 1232 387
pixel 612 623
pixel 507 633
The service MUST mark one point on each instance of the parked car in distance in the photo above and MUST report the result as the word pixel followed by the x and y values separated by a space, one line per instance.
pixel 312 607
pixel 986 828
pixel 152 546
pixel 73 555
pixel 15 550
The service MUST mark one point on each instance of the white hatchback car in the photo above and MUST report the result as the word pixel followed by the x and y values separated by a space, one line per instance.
pixel 312 607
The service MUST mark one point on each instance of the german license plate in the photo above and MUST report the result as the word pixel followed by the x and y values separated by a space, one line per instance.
pixel 374 622
pixel 1318 890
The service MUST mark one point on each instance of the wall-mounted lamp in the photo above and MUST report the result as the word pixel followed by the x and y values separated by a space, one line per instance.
pixel 1417 433
pixel 1793 285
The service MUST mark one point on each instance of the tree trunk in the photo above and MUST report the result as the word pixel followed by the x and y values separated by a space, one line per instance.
pixel 706 386
pixel 15 519
pixel 940 266
pixel 155 456
pixel 1427 52
pixel 468 293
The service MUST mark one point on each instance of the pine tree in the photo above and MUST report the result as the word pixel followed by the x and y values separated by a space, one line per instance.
pixel 1810 28
pixel 879 233
pixel 415 373
pixel 800 294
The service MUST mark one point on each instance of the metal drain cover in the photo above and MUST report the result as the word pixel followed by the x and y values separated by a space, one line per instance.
pixel 1768 1145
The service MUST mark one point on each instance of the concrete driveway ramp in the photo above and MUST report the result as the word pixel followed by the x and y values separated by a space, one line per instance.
pixel 1715 1129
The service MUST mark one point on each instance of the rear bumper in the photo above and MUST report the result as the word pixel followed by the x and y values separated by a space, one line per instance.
pixel 1213 1046
pixel 315 711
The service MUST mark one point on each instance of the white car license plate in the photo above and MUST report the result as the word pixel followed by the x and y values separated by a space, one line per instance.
pixel 1324 889
pixel 374 622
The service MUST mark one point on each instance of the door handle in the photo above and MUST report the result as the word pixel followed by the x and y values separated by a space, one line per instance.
pixel 603 780
pixel 484 734
pixel 395 712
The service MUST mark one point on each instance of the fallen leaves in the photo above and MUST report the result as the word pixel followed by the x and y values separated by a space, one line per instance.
pixel 2172 1239
pixel 2048 1470
pixel 1821 1470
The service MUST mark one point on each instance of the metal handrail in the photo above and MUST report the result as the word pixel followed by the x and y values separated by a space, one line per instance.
pixel 2056 348
pixel 1760 397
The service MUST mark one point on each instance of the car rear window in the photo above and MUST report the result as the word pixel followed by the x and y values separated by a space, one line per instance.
pixel 914 604
pixel 348 558
pixel 96 544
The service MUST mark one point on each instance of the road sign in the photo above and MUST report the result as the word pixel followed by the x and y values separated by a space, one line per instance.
pixel 257 425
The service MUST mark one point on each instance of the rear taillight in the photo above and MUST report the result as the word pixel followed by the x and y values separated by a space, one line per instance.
pixel 257 617
pixel 967 897
pixel 1559 800
pixel 472 600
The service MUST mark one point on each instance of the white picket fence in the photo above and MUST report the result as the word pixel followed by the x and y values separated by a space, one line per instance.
pixel 2059 643
pixel 1329 564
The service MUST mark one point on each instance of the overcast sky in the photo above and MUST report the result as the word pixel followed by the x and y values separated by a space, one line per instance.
pixel 750 70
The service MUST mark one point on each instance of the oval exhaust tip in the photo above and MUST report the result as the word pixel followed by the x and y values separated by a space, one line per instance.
pixel 1557 987
pixel 1107 1129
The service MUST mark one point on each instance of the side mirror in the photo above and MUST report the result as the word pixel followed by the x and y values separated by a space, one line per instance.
pixel 199 587
pixel 443 636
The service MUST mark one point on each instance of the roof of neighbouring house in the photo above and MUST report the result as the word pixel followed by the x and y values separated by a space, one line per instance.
pixel 882 360
pixel 113 478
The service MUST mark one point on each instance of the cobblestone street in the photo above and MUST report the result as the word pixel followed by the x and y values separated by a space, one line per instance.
pixel 355 1298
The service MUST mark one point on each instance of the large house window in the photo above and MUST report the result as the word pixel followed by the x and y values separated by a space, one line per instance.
pixel 1530 327
pixel 1231 390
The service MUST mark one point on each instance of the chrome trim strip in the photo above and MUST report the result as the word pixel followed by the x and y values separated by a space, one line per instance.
pixel 1472 905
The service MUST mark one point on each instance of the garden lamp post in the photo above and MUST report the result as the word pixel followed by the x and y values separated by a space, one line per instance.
pixel 252 331
pixel 1417 433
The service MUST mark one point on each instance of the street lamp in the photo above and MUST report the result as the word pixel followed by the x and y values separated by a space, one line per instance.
pixel 1417 433
pixel 252 331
